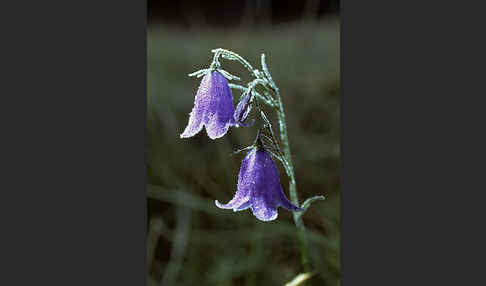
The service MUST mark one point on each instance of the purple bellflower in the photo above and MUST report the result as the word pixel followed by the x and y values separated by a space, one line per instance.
pixel 242 110
pixel 213 107
pixel 259 187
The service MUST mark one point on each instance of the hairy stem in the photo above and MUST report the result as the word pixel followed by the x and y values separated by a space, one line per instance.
pixel 304 246
pixel 265 79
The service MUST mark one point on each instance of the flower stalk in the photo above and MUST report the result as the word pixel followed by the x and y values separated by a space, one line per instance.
pixel 265 80
pixel 259 185
pixel 294 198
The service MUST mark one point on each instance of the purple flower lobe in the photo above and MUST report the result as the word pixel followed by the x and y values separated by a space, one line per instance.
pixel 213 107
pixel 259 187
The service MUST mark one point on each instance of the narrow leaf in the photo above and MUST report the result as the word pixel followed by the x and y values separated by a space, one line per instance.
pixel 228 75
pixel 237 86
pixel 199 73
pixel 310 200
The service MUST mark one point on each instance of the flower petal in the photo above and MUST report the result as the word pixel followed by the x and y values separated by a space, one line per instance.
pixel 263 185
pixel 195 124
pixel 262 212
pixel 259 187
pixel 238 200
pixel 198 115
pixel 217 126
pixel 243 206
pixel 243 194
pixel 242 110
pixel 268 194
pixel 220 110
pixel 284 202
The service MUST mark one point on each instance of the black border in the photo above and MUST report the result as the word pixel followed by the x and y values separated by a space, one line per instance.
pixel 74 126
pixel 74 143
pixel 409 137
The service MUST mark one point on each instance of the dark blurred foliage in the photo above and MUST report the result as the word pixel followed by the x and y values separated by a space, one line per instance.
pixel 192 242
pixel 234 13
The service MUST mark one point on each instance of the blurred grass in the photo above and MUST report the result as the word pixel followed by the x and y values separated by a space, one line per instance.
pixel 186 175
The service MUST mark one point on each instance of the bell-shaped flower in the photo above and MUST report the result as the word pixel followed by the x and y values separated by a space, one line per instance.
pixel 259 187
pixel 213 107
pixel 243 109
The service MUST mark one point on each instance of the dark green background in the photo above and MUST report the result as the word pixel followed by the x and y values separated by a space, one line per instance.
pixel 190 240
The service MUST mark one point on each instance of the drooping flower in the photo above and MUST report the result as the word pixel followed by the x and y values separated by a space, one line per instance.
pixel 213 107
pixel 242 110
pixel 259 187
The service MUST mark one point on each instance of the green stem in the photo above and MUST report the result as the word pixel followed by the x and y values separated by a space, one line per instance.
pixel 229 55
pixel 269 84
pixel 304 246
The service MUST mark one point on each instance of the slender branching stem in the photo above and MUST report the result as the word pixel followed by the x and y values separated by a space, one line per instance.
pixel 304 246
pixel 265 80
